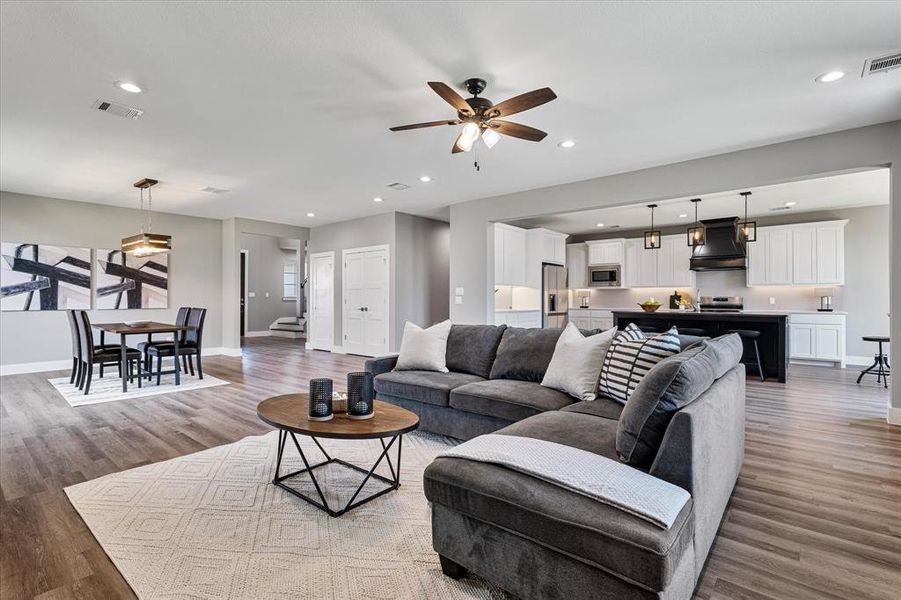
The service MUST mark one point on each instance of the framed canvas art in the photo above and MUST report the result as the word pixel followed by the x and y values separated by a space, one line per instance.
pixel 44 277
pixel 128 281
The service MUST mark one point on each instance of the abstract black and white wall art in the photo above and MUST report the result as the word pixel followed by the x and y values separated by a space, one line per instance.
pixel 44 277
pixel 128 281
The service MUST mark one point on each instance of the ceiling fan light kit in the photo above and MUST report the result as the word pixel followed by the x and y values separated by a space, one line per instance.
pixel 481 117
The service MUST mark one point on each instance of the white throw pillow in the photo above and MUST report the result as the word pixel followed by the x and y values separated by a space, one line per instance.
pixel 576 365
pixel 424 349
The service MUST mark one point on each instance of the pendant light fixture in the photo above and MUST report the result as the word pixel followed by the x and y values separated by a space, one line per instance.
pixel 147 243
pixel 697 235
pixel 746 231
pixel 652 236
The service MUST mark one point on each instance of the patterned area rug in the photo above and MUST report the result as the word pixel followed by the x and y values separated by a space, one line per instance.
pixel 210 526
pixel 110 388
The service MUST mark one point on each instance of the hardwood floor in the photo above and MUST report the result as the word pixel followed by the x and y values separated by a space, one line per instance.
pixel 815 513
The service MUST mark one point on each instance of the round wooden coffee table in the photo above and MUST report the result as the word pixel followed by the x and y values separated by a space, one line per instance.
pixel 289 414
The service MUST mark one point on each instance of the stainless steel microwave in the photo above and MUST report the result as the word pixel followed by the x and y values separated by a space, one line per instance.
pixel 605 276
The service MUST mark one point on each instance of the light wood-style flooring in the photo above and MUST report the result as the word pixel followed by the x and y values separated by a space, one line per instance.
pixel 816 513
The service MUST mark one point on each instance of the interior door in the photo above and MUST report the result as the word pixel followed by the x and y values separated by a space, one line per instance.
pixel 243 301
pixel 322 301
pixel 366 301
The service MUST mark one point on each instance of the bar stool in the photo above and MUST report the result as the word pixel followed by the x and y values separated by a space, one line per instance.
pixel 750 334
pixel 880 362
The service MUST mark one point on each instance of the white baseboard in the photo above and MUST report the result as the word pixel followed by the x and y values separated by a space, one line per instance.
pixel 256 333
pixel 308 345
pixel 65 364
pixel 863 361
pixel 338 350
pixel 894 415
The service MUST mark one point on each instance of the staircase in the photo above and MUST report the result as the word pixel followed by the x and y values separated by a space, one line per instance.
pixel 289 327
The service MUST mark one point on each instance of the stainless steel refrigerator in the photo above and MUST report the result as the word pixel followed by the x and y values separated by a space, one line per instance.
pixel 554 296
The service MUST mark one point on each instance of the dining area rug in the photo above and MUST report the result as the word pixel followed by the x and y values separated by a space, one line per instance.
pixel 109 388
pixel 211 525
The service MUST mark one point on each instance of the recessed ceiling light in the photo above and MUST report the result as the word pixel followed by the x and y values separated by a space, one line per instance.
pixel 599 225
pixel 682 216
pixel 377 199
pixel 128 87
pixel 567 144
pixel 830 77
pixel 790 203
pixel 425 179
pixel 311 214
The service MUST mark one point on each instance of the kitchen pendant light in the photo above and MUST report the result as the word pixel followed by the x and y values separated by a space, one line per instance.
pixel 652 236
pixel 147 243
pixel 746 231
pixel 697 235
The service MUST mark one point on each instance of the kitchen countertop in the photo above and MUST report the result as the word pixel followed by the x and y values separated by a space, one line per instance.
pixel 510 310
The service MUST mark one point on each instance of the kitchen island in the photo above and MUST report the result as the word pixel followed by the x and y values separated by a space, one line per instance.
pixel 773 340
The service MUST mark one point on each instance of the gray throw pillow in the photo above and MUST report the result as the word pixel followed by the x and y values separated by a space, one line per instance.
pixel 472 348
pixel 670 385
pixel 524 354
pixel 728 349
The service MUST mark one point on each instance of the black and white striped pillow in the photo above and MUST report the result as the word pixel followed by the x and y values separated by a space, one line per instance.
pixel 628 361
pixel 631 332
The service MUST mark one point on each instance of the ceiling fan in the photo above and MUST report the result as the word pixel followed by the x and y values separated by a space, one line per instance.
pixel 481 117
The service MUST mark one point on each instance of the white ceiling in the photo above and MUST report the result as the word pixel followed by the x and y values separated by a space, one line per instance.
pixel 849 190
pixel 287 105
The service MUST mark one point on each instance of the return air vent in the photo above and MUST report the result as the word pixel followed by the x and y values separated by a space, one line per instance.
pixel 119 110
pixel 398 186
pixel 213 190
pixel 871 66
pixel 780 208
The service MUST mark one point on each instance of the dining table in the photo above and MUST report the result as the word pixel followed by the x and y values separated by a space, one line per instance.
pixel 148 328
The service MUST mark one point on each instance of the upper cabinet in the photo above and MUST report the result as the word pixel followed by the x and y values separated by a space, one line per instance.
pixel 509 255
pixel 668 266
pixel 519 254
pixel 577 265
pixel 606 252
pixel 804 254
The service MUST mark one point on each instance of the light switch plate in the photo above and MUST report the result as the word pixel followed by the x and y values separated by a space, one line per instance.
pixel 772 300
pixel 458 300
pixel 251 294
pixel 458 291
pixel 267 294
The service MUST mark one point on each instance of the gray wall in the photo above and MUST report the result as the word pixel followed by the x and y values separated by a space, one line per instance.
pixel 418 272
pixel 865 295
pixel 195 266
pixel 471 266
pixel 266 260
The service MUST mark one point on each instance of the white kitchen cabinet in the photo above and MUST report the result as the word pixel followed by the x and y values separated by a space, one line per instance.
pixel 518 318
pixel 577 266
pixel 605 252
pixel 830 253
pixel 509 255
pixel 802 254
pixel 591 318
pixel 542 246
pixel 674 263
pixel 804 264
pixel 817 337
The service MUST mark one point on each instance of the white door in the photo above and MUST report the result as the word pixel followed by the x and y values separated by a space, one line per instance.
pixel 779 257
pixel 804 266
pixel 830 254
pixel 366 301
pixel 802 339
pixel 322 301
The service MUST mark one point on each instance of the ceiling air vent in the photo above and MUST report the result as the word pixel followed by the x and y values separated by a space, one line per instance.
pixel 213 190
pixel 398 186
pixel 119 110
pixel 780 208
pixel 871 66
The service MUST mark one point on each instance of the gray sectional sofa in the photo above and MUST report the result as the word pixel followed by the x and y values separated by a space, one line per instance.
pixel 537 540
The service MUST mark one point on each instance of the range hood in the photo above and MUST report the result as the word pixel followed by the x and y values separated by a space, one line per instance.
pixel 721 252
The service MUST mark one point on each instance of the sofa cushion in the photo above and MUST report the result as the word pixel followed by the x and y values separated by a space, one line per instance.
pixel 472 348
pixel 524 354
pixel 614 540
pixel 423 386
pixel 576 364
pixel 424 349
pixel 628 361
pixel 507 399
pixel 728 350
pixel 601 407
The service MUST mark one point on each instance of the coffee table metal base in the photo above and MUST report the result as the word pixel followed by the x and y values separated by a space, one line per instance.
pixel 322 503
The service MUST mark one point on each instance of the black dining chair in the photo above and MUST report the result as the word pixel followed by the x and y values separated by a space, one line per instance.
pixel 190 347
pixel 181 319
pixel 91 354
pixel 76 347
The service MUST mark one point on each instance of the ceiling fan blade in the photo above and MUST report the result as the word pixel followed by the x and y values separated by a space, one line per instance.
pixel 457 149
pixel 521 103
pixel 451 97
pixel 518 131
pixel 421 125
